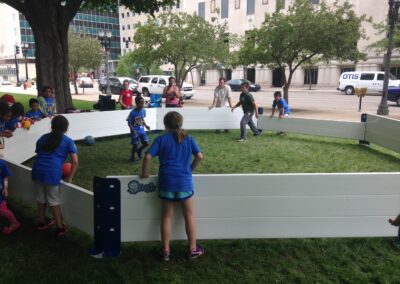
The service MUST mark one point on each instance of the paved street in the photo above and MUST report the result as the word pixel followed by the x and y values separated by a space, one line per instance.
pixel 322 103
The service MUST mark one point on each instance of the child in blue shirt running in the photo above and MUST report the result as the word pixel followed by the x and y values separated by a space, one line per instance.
pixel 52 149
pixel 175 150
pixel 137 124
pixel 34 113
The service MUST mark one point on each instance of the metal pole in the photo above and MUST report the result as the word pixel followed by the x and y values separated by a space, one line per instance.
pixel 26 65
pixel 393 11
pixel 16 68
pixel 108 92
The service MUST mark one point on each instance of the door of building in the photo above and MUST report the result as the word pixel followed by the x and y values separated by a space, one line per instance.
pixel 251 74
pixel 277 77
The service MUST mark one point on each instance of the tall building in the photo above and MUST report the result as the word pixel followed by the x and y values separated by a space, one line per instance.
pixel 17 31
pixel 243 15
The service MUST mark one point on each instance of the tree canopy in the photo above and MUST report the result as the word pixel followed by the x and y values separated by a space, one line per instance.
pixel 186 41
pixel 50 19
pixel 287 40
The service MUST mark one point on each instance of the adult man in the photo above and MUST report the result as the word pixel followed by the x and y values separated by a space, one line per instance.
pixel 222 95
pixel 249 107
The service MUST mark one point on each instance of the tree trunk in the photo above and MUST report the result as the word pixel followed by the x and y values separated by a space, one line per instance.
pixel 286 86
pixel 49 21
pixel 75 86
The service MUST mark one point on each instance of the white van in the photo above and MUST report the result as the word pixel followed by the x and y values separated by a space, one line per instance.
pixel 373 80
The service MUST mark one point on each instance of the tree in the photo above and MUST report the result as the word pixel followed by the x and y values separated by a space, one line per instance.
pixel 381 45
pixel 84 52
pixel 286 40
pixel 186 41
pixel 49 20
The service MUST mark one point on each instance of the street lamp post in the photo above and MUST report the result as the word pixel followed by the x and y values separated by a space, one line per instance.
pixel 25 47
pixel 105 40
pixel 16 62
pixel 392 15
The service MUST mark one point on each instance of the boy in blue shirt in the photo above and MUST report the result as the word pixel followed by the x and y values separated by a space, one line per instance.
pixel 137 124
pixel 283 108
pixel 34 113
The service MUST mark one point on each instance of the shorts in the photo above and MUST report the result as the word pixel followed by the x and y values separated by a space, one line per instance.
pixel 140 137
pixel 175 196
pixel 46 193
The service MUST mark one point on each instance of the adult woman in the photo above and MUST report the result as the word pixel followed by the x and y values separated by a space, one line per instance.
pixel 172 94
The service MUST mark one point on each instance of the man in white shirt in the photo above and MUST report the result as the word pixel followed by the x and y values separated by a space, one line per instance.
pixel 222 96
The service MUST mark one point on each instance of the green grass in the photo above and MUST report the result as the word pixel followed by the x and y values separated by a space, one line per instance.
pixel 268 153
pixel 24 99
pixel 34 257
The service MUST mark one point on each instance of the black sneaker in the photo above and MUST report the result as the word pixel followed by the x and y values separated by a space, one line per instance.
pixel 259 132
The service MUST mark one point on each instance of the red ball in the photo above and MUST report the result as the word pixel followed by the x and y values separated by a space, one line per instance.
pixel 66 170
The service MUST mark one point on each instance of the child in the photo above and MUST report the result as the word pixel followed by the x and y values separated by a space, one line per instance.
pixel 174 150
pixel 52 149
pixel 249 107
pixel 17 114
pixel 125 96
pixel 171 93
pixel 8 99
pixel 282 106
pixel 34 113
pixel 47 102
pixel 5 116
pixel 136 124
pixel 4 211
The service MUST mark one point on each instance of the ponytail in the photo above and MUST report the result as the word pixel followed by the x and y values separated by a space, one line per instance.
pixel 173 121
pixel 59 125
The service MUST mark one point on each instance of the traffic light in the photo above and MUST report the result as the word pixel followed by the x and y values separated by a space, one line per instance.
pixel 16 49
pixel 127 44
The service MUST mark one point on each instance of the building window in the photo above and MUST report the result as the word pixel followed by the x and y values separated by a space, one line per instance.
pixel 127 14
pixel 224 9
pixel 315 2
pixel 212 7
pixel 123 27
pixel 311 76
pixel 178 4
pixel 265 2
pixel 347 69
pixel 280 5
pixel 395 71
pixel 128 27
pixel 123 39
pixel 202 10
pixel 251 7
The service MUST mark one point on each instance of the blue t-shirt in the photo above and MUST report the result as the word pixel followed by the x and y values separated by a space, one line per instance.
pixel 281 103
pixel 51 105
pixel 34 115
pixel 48 165
pixel 136 119
pixel 175 173
pixel 4 172
pixel 12 123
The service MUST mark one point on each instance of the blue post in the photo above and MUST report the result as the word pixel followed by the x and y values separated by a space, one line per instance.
pixel 364 118
pixel 107 217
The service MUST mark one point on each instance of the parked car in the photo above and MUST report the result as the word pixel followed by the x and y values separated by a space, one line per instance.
pixel 372 80
pixel 394 95
pixel 236 83
pixel 85 82
pixel 116 84
pixel 155 84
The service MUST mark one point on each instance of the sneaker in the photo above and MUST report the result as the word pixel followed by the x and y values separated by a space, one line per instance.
pixel 242 140
pixel 46 225
pixel 259 132
pixel 197 252
pixel 165 254
pixel 12 228
pixel 61 231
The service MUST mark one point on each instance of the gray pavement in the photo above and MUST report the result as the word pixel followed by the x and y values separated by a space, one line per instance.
pixel 320 103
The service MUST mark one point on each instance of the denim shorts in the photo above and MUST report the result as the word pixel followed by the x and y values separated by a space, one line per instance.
pixel 175 196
